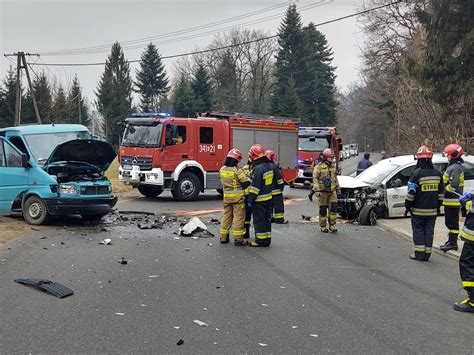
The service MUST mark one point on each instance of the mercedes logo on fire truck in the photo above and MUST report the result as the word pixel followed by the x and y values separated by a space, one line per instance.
pixel 135 161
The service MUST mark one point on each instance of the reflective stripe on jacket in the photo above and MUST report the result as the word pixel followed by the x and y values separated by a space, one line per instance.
pixel 429 193
pixel 467 233
pixel 260 190
pixel 453 180
pixel 231 181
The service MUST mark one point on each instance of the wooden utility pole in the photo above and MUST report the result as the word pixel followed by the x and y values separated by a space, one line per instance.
pixel 21 64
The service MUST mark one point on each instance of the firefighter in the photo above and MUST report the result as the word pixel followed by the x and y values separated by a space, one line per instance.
pixel 453 179
pixel 423 201
pixel 248 211
pixel 260 196
pixel 326 186
pixel 233 181
pixel 313 164
pixel 466 261
pixel 278 186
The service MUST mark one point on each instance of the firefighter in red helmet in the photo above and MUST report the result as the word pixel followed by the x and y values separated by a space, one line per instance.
pixel 326 187
pixel 423 201
pixel 234 181
pixel 260 196
pixel 453 180
pixel 278 186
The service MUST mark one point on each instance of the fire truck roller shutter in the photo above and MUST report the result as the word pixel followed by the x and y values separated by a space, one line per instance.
pixel 242 140
pixel 287 156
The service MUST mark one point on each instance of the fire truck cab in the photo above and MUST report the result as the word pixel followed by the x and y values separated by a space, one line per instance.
pixel 184 155
pixel 311 143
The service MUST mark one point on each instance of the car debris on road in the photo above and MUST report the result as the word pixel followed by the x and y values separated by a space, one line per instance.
pixel 56 289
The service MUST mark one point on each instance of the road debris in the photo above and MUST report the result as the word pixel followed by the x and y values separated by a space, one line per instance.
pixel 264 305
pixel 262 344
pixel 119 314
pixel 52 287
pixel 176 327
pixel 202 324
pixel 195 227
pixel 294 326
pixel 180 342
pixel 123 261
pixel 282 287
pixel 105 242
pixel 314 335
pixel 306 218
pixel 153 276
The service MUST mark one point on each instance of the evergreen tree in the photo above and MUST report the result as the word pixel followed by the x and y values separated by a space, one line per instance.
pixel 226 84
pixel 114 93
pixel 8 99
pixel 289 65
pixel 75 102
pixel 183 98
pixel 447 66
pixel 316 93
pixel 202 90
pixel 152 81
pixel 60 111
pixel 44 97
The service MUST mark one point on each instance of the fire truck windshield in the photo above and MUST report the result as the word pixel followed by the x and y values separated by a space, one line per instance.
pixel 142 136
pixel 313 144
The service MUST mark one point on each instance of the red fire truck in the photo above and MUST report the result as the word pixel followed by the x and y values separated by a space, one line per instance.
pixel 184 155
pixel 311 143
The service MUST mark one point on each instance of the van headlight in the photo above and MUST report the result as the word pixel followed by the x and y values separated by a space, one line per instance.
pixel 67 189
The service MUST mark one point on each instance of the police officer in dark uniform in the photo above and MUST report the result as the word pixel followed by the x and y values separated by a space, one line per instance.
pixel 423 201
pixel 466 261
pixel 260 196
pixel 278 186
pixel 453 179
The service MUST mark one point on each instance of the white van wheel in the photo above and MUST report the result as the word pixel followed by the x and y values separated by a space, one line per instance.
pixel 35 211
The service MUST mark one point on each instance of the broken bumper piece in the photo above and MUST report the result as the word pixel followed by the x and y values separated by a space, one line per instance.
pixel 54 288
pixel 89 206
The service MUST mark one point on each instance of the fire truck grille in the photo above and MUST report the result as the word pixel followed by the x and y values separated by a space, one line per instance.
pixel 143 163
pixel 95 190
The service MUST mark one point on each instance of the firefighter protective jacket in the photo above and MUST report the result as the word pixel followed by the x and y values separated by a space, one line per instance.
pixel 453 180
pixel 467 233
pixel 429 193
pixel 234 181
pixel 325 177
pixel 260 190
pixel 278 182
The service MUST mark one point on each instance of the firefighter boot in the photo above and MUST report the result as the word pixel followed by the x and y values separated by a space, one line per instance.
pixel 224 238
pixel 464 306
pixel 240 243
pixel 451 244
pixel 332 228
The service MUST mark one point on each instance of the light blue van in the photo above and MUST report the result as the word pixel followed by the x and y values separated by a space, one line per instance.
pixel 48 170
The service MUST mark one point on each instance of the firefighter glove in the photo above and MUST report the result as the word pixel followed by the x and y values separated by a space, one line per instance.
pixel 465 197
pixel 412 187
pixel 250 204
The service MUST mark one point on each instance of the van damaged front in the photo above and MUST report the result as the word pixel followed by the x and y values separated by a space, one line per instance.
pixel 78 167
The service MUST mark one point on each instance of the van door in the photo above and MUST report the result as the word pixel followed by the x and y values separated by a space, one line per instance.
pixel 397 189
pixel 13 176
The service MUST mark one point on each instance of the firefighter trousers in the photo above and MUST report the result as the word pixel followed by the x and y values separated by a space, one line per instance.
pixel 248 219
pixel 234 216
pixel 278 208
pixel 451 219
pixel 327 200
pixel 262 222
pixel 466 269
pixel 423 231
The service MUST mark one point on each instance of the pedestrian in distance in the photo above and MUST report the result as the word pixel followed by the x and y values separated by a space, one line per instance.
pixel 260 196
pixel 326 188
pixel 234 181
pixel 383 155
pixel 423 202
pixel 453 179
pixel 466 261
pixel 278 187
pixel 364 163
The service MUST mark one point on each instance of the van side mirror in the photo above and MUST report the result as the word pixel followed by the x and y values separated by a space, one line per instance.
pixel 24 160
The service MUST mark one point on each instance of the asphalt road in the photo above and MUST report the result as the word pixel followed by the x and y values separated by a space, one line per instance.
pixel 354 292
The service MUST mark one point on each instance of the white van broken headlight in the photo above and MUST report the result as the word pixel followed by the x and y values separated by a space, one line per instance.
pixel 67 189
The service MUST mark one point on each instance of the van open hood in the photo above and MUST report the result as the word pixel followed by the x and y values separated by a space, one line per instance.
pixel 349 182
pixel 98 153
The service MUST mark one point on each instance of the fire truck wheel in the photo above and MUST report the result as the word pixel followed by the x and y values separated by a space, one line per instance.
pixel 187 187
pixel 150 191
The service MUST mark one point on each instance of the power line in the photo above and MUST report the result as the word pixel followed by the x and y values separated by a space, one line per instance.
pixel 169 34
pixel 227 46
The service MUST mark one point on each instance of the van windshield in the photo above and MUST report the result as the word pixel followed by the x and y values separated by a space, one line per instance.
pixel 375 174
pixel 142 136
pixel 42 145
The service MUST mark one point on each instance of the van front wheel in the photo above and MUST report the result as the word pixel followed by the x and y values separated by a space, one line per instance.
pixel 35 211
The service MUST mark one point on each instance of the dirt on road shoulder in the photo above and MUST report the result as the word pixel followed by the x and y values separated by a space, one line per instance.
pixel 12 228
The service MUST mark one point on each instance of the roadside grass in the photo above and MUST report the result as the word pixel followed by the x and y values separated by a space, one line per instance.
pixel 112 175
